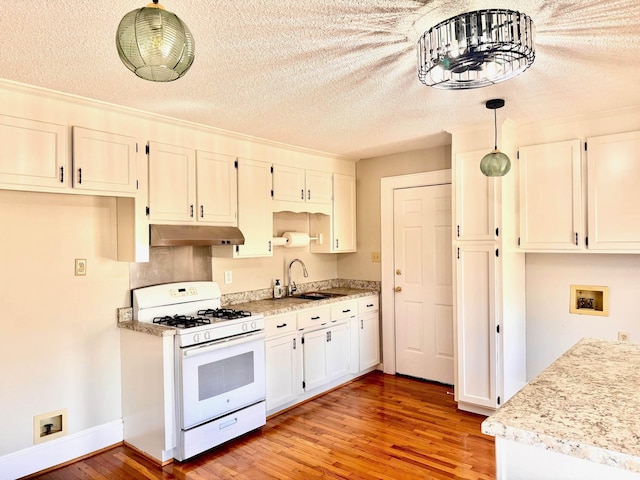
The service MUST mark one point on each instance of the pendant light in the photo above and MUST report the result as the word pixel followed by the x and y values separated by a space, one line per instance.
pixel 495 163
pixel 155 44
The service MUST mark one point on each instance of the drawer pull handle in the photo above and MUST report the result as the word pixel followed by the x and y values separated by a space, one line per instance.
pixel 315 318
pixel 346 311
pixel 369 305
pixel 228 423
pixel 281 326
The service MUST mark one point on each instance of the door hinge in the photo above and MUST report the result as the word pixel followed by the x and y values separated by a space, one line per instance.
pixel 585 146
pixel 586 241
pixel 518 154
pixel 237 248
pixel 498 328
pixel 235 164
pixel 146 149
pixel 271 193
pixel 497 252
pixel 458 252
pixel 497 232
pixel 147 210
pixel 303 385
pixel 271 168
pixel 518 241
pixel 302 340
pixel 137 185
pixel 458 228
pixel 498 400
pixel 136 147
pixel 294 343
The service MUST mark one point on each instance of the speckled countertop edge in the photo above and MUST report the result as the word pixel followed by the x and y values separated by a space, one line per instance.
pixel 261 301
pixel 586 405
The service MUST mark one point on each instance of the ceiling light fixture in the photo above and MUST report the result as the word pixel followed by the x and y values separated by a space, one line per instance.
pixel 476 49
pixel 155 44
pixel 495 163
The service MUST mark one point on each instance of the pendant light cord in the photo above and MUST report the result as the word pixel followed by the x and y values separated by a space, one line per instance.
pixel 495 131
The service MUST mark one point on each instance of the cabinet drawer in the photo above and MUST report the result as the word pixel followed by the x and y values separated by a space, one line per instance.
pixel 313 317
pixel 344 310
pixel 279 324
pixel 368 304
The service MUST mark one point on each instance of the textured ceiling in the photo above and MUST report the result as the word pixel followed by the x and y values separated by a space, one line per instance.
pixel 335 75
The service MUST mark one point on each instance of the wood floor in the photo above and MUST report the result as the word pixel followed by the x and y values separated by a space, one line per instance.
pixel 377 427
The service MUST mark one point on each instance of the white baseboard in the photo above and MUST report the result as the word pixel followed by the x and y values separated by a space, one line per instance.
pixel 58 451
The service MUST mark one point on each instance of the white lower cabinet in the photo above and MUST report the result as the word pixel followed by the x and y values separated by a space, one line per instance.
pixel 326 355
pixel 283 360
pixel 368 333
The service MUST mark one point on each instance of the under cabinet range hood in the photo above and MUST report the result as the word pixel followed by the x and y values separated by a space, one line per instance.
pixel 193 235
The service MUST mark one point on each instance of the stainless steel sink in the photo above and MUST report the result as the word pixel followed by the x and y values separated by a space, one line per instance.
pixel 317 295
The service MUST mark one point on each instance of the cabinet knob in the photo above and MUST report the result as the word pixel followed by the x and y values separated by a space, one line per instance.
pixel 398 272
pixel 397 289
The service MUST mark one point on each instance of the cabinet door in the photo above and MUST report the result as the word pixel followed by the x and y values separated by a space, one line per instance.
pixel 255 216
pixel 475 199
pixel 344 213
pixel 288 183
pixel 104 162
pixel 551 196
pixel 613 166
pixel 33 154
pixel 369 340
pixel 318 185
pixel 338 351
pixel 476 324
pixel 315 358
pixel 172 183
pixel 217 189
pixel 282 379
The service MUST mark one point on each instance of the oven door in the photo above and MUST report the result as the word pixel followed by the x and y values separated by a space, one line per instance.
pixel 220 377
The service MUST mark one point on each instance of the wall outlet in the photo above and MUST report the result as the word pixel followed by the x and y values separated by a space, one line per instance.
pixel 375 256
pixel 228 277
pixel 623 336
pixel 81 267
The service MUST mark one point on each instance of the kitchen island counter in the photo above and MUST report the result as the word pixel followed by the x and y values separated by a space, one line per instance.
pixel 580 418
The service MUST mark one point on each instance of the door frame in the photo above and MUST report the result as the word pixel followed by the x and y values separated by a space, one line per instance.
pixel 387 187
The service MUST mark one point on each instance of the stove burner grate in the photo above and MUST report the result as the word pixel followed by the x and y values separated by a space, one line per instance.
pixel 181 321
pixel 224 313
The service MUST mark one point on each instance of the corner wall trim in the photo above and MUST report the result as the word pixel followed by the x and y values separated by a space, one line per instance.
pixel 56 452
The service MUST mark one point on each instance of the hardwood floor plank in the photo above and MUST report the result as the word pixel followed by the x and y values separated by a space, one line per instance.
pixel 379 427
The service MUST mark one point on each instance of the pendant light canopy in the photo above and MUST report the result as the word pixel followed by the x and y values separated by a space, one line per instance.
pixel 155 44
pixel 495 163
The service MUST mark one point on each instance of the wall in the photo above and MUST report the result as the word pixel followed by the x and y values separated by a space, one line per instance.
pixel 368 174
pixel 551 330
pixel 59 346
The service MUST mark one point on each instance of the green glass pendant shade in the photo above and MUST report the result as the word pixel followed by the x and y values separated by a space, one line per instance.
pixel 495 164
pixel 155 44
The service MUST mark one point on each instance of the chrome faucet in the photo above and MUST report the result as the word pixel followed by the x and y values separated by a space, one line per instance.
pixel 292 288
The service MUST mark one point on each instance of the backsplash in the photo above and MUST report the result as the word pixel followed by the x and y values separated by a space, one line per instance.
pixel 242 297
pixel 171 264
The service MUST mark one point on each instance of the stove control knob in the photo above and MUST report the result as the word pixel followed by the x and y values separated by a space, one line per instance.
pixel 244 327
pixel 207 335
pixel 253 325
pixel 196 338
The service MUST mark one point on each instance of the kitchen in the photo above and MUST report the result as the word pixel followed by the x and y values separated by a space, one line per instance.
pixel 73 342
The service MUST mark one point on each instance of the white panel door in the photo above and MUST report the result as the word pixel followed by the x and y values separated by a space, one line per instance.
pixel 475 199
pixel 338 352
pixel 423 281
pixel 315 358
pixel 282 370
pixel 476 324
pixel 344 213
pixel 551 196
pixel 288 183
pixel 613 193
pixel 255 209
pixel 319 186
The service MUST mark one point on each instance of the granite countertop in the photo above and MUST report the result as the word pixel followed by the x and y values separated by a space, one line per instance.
pixel 265 306
pixel 586 405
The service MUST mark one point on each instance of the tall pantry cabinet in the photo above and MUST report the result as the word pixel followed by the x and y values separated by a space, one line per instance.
pixel 489 276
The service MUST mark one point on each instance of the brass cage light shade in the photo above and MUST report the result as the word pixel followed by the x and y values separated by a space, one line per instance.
pixel 495 163
pixel 155 44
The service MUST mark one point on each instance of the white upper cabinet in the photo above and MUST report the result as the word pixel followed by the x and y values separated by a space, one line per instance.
pixel 475 216
pixel 613 163
pixel 172 183
pixel 255 215
pixel 338 230
pixel 551 213
pixel 187 186
pixel 299 190
pixel 104 162
pixel 33 155
pixel 217 188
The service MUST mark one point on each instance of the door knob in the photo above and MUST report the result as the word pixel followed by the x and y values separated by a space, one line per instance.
pixel 398 272
pixel 398 289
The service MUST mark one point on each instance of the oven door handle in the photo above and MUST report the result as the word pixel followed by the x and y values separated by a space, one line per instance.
pixel 224 343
